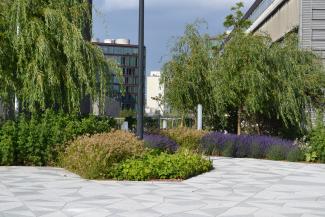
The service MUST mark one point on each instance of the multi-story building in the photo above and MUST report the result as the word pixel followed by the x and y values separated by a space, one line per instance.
pixel 126 56
pixel 279 17
pixel 154 94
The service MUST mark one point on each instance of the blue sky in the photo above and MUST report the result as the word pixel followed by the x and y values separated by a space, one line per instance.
pixel 164 20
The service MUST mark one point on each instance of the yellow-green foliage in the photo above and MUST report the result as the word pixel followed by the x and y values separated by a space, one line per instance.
pixel 45 59
pixel 94 156
pixel 182 165
pixel 185 137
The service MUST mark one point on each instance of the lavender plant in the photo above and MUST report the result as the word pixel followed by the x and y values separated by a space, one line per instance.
pixel 160 142
pixel 254 146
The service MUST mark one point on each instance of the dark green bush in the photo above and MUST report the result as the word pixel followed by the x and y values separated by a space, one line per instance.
pixel 37 139
pixel 93 157
pixel 8 137
pixel 277 152
pixel 229 150
pixel 151 166
pixel 296 155
pixel 256 151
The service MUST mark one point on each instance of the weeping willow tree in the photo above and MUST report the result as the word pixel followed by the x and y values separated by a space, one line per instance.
pixel 185 76
pixel 264 85
pixel 246 83
pixel 46 60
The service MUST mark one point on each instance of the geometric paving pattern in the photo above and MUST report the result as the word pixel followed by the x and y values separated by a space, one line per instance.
pixel 235 188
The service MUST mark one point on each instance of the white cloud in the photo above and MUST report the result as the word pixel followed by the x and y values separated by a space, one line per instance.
pixel 194 4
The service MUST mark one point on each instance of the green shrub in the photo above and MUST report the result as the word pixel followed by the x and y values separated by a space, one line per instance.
pixel 229 150
pixel 8 137
pixel 185 137
pixel 151 166
pixel 93 157
pixel 296 155
pixel 39 138
pixel 277 152
pixel 316 141
pixel 256 151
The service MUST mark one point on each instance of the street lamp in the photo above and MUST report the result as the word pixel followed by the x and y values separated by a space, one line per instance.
pixel 140 109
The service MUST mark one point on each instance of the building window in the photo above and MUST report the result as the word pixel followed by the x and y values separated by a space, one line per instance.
pixel 260 9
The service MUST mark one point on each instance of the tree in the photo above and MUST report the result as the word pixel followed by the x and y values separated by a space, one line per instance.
pixel 45 59
pixel 240 76
pixel 264 84
pixel 297 82
pixel 246 82
pixel 236 21
pixel 185 76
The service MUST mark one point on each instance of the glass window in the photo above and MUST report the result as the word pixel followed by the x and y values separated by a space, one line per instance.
pixel 260 9
pixel 110 50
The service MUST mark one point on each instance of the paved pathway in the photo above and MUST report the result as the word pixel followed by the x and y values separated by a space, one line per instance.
pixel 236 188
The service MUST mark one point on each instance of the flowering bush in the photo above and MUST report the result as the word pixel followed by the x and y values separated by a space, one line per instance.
pixel 160 142
pixel 94 156
pixel 254 146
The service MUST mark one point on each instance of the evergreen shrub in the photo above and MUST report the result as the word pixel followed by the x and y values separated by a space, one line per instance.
pixel 36 140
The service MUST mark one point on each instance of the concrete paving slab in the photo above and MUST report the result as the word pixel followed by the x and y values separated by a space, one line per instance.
pixel 236 187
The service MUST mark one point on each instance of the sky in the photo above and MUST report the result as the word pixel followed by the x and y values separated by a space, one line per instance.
pixel 165 20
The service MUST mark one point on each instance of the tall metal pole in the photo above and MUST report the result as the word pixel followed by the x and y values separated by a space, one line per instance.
pixel 140 109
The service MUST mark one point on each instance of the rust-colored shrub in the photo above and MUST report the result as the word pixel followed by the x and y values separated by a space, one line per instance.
pixel 92 157
pixel 185 137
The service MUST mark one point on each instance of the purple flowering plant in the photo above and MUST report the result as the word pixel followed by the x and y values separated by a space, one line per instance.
pixel 231 145
pixel 160 142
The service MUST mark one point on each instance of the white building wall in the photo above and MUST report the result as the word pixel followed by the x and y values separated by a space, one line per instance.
pixel 284 21
pixel 154 89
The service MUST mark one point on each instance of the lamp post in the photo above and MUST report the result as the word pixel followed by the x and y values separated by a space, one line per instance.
pixel 140 109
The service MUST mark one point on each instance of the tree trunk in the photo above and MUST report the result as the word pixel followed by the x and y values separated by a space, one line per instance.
pixel 239 116
pixel 258 129
pixel 182 120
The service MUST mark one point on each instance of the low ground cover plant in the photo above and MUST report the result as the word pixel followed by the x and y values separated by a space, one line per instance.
pixel 153 165
pixel 252 146
pixel 93 157
pixel 37 139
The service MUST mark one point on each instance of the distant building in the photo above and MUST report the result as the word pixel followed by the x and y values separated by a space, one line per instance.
pixel 126 56
pixel 279 17
pixel 154 93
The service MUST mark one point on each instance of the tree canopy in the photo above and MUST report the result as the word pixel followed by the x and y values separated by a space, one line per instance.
pixel 268 82
pixel 45 59
pixel 250 83
pixel 185 77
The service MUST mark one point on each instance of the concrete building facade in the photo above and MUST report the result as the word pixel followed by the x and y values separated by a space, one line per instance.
pixel 154 92
pixel 279 17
